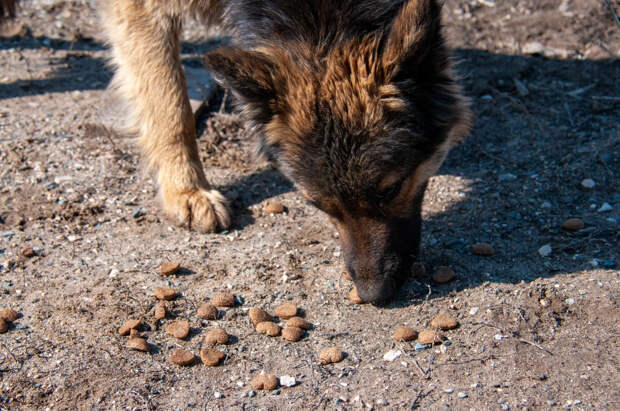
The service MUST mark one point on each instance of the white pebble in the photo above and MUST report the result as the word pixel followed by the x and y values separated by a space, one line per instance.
pixel 448 390
pixel 545 250
pixel 570 301
pixel 498 337
pixel 392 355
pixel 288 381
pixel 462 395
pixel 474 311
pixel 605 207
pixel 217 395
pixel 588 183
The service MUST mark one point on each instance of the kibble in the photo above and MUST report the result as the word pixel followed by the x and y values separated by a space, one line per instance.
pixel 208 312
pixel 269 328
pixel 211 357
pixel 299 323
pixel 355 297
pixel 443 275
pixel 182 357
pixel 265 382
pixel 573 224
pixel 482 249
pixel 160 310
pixel 138 344
pixel 285 311
pixel 224 300
pixel 216 336
pixel 4 326
pixel 169 268
pixel 9 314
pixel 258 315
pixel 430 337
pixel 292 333
pixel 128 326
pixel 27 252
pixel 330 355
pixel 405 333
pixel 133 333
pixel 274 207
pixel 164 293
pixel 444 322
pixel 178 329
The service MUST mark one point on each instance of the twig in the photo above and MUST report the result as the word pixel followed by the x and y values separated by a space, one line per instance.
pixel 424 374
pixel 419 395
pixel 613 10
pixel 535 345
pixel 511 334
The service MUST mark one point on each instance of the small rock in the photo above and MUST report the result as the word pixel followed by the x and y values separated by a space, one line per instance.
pixel 443 275
pixel 252 394
pixel 4 326
pixel 216 336
pixel 169 268
pixel 448 390
pixel 354 296
pixel 138 343
pixel 286 311
pixel 160 310
pixel 128 326
pixel 265 382
pixel 420 347
pixel 392 355
pixel 588 183
pixel 276 392
pixel 293 334
pixel 9 314
pixel 462 395
pixel 570 301
pixel 405 333
pixel 274 207
pixel 444 322
pixel 182 357
pixel 27 252
pixel 299 323
pixel 482 249
pixel 138 212
pixel 573 224
pixel 164 293
pixel 498 337
pixel 258 315
pixel 269 328
pixel 346 275
pixel 178 329
pixel 330 355
pixel 605 208
pixel 207 312
pixel 224 300
pixel 507 177
pixel 430 337
pixel 211 357
pixel 474 310
pixel 288 381
pixel 545 250
pixel 218 395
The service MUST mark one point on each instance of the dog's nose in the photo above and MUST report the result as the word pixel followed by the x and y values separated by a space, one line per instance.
pixel 375 292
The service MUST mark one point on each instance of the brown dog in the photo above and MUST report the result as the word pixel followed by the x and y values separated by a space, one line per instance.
pixel 354 101
pixel 7 9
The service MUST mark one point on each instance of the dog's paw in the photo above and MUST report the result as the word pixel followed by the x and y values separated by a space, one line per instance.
pixel 204 210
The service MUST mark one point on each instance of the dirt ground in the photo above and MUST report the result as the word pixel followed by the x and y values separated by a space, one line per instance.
pixel 536 332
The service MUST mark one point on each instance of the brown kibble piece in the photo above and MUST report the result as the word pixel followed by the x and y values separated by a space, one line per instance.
pixel 9 314
pixel 216 336
pixel 444 322
pixel 405 334
pixel 211 357
pixel 207 312
pixel 164 293
pixel 160 310
pixel 274 207
pixel 139 344
pixel 299 323
pixel 355 297
pixel 346 275
pixel 443 275
pixel 27 252
pixel 128 326
pixel 269 328
pixel 285 311
pixel 258 315
pixel 182 357
pixel 418 269
pixel 292 333
pixel 430 337
pixel 133 333
pixel 265 382
pixel 4 326
pixel 169 268
pixel 330 355
pixel 483 249
pixel 224 300
pixel 573 224
pixel 178 329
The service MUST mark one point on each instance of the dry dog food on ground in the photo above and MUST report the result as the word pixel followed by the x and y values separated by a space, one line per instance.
pixel 274 207
pixel 285 311
pixel 216 336
pixel 444 322
pixel 292 333
pixel 418 269
pixel 138 343
pixel 355 297
pixel 443 275
pixel 330 355
pixel 430 337
pixel 269 328
pixel 169 268
pixel 224 300
pixel 405 334
pixel 178 329
pixel 208 312
pixel 346 275
pixel 182 357
pixel 27 252
pixel 211 357
pixel 265 382
pixel 484 249
pixel 160 310
pixel 9 314
pixel 299 323
pixel 133 333
pixel 164 293
pixel 258 315
pixel 128 326
pixel 573 224
pixel 4 326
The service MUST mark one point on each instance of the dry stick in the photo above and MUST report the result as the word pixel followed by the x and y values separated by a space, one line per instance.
pixel 513 335
pixel 613 10
pixel 425 375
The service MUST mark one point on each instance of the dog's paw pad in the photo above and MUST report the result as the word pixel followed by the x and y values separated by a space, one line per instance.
pixel 203 210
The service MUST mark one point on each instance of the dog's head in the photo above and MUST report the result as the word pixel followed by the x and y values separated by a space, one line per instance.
pixel 359 125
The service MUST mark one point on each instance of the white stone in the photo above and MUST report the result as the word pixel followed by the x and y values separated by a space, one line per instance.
pixel 288 381
pixel 588 183
pixel 392 355
pixel 474 311
pixel 605 207
pixel 545 250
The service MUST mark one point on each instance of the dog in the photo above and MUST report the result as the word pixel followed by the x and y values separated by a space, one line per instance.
pixel 354 101
pixel 7 9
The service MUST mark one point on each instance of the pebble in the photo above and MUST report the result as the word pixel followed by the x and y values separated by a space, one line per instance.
pixel 444 322
pixel 274 207
pixel 330 355
pixel 448 390
pixel 252 394
pixel 545 250
pixel 169 268
pixel 160 310
pixel 346 275
pixel 4 326
pixel 207 312
pixel 128 326
pixel 588 183
pixel 138 343
pixel 218 395
pixel 211 357
pixel 354 296
pixel 216 336
pixel 164 293
pixel 258 315
pixel 474 310
pixel 269 328
pixel 507 177
pixel 420 347
pixel 9 314
pixel 405 333
pixel 430 337
pixel 483 249
pixel 27 252
pixel 605 208
pixel 443 275
pixel 573 224
pixel 392 355
pixel 462 395
pixel 224 300
pixel 182 357
pixel 178 329
pixel 570 301
pixel 288 381
pixel 293 334
pixel 285 311
pixel 265 382
pixel 299 323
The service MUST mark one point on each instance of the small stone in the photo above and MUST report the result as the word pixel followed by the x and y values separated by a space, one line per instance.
pixel 27 252
pixel 448 390
pixel 216 336
pixel 330 355
pixel 418 269
pixel 444 322
pixel 293 334
pixel 288 381
pixel 573 224
pixel 269 328
pixel 4 326
pixel 462 395
pixel 545 250
pixel 252 394
pixel 139 344
pixel 430 337
pixel 274 207
pixel 474 310
pixel 169 268
pixel 218 395
pixel 420 347
pixel 605 208
pixel 178 329
pixel 405 333
pixel 570 301
pixel 285 311
pixel 276 392
pixel 265 382
pixel 443 275
pixel 258 315
pixel 224 300
pixel 299 323
pixel 483 249
pixel 9 314
pixel 392 355
pixel 507 177
pixel 588 183
pixel 207 312
pixel 164 293
pixel 160 310
pixel 211 357
pixel 346 275
pixel 354 296
pixel 128 326
pixel 182 357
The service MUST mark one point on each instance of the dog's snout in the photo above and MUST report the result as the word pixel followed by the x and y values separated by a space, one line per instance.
pixel 375 291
